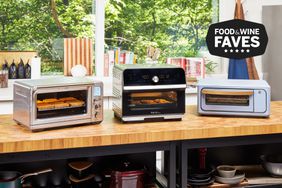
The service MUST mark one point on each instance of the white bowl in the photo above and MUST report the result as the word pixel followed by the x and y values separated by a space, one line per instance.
pixel 238 178
pixel 226 171
pixel 274 167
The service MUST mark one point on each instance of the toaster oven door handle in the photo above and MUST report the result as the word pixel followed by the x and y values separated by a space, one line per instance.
pixel 229 93
pixel 151 87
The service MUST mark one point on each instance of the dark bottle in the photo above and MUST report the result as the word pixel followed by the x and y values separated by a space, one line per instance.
pixel 13 71
pixel 5 66
pixel 21 70
pixel 27 70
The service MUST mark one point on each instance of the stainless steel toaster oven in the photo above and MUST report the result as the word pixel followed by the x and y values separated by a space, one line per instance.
pixel 234 97
pixel 148 92
pixel 49 103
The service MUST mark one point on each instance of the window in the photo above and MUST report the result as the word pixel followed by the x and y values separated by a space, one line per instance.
pixel 154 30
pixel 41 26
pixel 138 30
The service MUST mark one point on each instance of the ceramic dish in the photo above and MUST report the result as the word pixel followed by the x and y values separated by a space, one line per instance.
pixel 200 173
pixel 239 177
pixel 196 180
pixel 272 164
pixel 226 171
pixel 211 181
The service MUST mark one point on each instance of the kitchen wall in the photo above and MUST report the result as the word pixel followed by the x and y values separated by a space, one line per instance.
pixel 253 12
pixel 271 60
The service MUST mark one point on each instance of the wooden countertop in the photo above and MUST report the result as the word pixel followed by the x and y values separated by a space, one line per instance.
pixel 14 138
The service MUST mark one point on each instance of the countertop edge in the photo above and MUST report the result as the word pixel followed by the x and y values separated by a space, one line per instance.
pixel 63 143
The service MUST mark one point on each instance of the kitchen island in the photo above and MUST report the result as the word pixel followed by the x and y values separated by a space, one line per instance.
pixel 18 144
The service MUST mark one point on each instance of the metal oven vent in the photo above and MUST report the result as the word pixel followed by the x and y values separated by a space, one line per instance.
pixel 116 92
pixel 117 74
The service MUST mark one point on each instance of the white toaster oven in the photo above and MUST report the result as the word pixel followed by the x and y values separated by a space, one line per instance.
pixel 234 97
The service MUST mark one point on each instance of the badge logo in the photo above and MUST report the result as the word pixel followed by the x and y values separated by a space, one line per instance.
pixel 237 39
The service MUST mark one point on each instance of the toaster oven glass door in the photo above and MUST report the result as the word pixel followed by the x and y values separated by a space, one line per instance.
pixel 62 104
pixel 231 100
pixel 151 102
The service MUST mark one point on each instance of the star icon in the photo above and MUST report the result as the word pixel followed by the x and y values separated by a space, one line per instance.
pixel 242 50
pixel 237 50
pixel 231 50
pixel 225 50
pixel 248 50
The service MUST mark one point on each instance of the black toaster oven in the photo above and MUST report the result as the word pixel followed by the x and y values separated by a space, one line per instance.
pixel 148 92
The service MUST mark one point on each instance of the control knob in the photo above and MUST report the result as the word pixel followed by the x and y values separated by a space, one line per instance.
pixel 96 114
pixel 155 79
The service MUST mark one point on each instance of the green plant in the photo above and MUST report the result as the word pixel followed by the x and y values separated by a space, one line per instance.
pixel 210 66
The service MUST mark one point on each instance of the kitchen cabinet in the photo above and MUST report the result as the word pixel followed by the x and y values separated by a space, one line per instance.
pixel 111 137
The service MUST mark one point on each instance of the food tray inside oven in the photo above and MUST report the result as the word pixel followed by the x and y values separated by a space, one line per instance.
pixel 151 102
pixel 59 104
pixel 62 108
pixel 52 113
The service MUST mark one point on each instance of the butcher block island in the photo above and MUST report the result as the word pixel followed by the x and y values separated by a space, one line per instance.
pixel 15 138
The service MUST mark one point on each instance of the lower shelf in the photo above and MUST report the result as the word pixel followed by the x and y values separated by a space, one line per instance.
pixel 256 177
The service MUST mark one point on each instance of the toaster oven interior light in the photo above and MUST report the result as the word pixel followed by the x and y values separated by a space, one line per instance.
pixel 58 104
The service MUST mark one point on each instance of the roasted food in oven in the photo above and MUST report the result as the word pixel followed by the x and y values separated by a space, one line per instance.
pixel 45 106
pixel 67 99
pixel 52 103
pixel 148 102
pixel 162 101
pixel 75 103
pixel 152 101
pixel 60 105
pixel 136 102
pixel 50 100
pixel 39 102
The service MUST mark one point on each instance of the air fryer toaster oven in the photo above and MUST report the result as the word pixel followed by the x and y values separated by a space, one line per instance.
pixel 149 92
pixel 50 103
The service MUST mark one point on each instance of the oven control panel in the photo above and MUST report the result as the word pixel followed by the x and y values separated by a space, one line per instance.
pixel 97 105
pixel 163 76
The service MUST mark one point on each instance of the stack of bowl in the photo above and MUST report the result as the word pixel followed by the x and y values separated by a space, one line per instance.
pixel 200 177
pixel 229 175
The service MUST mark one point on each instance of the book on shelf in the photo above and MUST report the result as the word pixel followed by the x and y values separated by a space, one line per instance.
pixel 117 56
pixel 193 66
pixel 179 61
